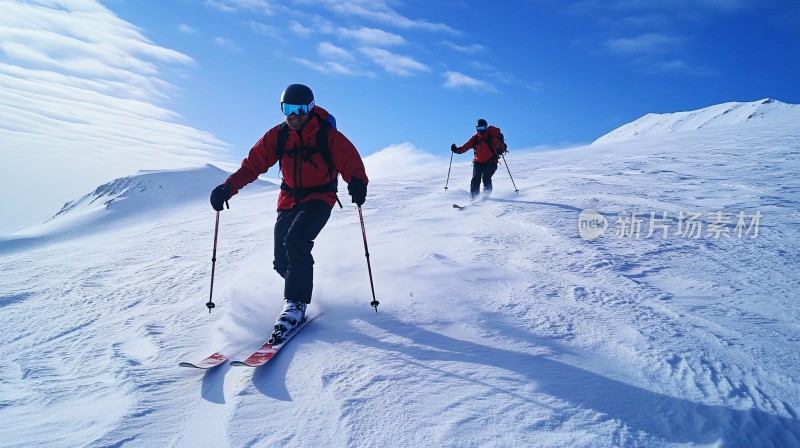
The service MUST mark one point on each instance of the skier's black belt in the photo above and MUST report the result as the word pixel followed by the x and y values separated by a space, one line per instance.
pixel 301 193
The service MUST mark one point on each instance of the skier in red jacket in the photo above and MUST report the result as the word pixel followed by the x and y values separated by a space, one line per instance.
pixel 311 153
pixel 488 143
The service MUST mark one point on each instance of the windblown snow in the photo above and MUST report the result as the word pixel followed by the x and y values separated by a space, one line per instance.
pixel 721 115
pixel 635 292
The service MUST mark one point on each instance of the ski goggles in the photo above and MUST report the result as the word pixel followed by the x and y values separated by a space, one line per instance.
pixel 481 128
pixel 296 109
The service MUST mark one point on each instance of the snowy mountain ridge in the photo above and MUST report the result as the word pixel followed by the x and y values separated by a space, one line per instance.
pixel 499 324
pixel 726 114
pixel 158 188
pixel 155 189
pixel 145 192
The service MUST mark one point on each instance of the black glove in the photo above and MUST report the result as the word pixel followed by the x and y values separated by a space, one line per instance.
pixel 499 150
pixel 358 190
pixel 219 195
pixel 453 147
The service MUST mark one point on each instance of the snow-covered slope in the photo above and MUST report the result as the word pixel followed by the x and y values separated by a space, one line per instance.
pixel 721 115
pixel 498 325
pixel 145 190
pixel 143 195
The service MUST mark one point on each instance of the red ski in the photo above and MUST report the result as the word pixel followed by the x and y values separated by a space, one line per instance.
pixel 212 361
pixel 267 351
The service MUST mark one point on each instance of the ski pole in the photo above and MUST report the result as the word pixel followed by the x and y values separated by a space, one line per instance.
pixel 374 302
pixel 448 172
pixel 503 155
pixel 210 303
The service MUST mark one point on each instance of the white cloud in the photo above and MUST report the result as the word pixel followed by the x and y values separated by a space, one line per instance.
pixel 394 63
pixel 186 29
pixel 300 29
pixel 671 7
pixel 234 6
pixel 372 36
pixel 263 29
pixel 330 51
pixel 680 66
pixel 647 50
pixel 648 43
pixel 469 49
pixel 381 12
pixel 337 61
pixel 79 95
pixel 336 67
pixel 455 80
pixel 228 44
pixel 88 41
pixel 659 24
pixel 331 67
pixel 221 6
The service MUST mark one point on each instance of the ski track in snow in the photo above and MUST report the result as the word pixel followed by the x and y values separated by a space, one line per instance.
pixel 498 324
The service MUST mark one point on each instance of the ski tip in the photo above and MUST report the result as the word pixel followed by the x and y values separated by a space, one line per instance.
pixel 240 363
pixel 199 367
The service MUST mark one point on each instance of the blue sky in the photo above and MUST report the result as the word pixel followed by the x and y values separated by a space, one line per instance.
pixel 546 72
pixel 91 91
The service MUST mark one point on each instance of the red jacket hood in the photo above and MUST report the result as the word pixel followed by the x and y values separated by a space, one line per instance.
pixel 320 112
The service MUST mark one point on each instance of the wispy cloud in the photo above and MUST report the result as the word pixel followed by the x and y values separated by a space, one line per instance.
pixel 649 43
pixel 674 7
pixel 370 42
pixel 651 35
pixel 300 29
pixel 113 48
pixel 186 29
pixel 455 80
pixel 394 63
pixel 235 6
pixel 469 49
pixel 379 11
pixel 227 44
pixel 336 61
pixel 330 51
pixel 221 6
pixel 680 66
pixel 79 102
pixel 331 67
pixel 658 54
pixel 263 29
pixel 372 36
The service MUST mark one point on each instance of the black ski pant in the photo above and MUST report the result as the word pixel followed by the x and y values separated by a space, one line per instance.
pixel 295 231
pixel 482 172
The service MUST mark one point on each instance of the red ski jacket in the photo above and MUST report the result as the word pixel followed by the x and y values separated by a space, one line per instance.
pixel 485 153
pixel 302 172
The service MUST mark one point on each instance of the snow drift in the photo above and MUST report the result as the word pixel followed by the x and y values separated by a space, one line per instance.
pixel 145 194
pixel 498 325
pixel 721 115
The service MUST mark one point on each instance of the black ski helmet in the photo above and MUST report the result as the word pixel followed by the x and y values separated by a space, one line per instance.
pixel 298 94
pixel 481 122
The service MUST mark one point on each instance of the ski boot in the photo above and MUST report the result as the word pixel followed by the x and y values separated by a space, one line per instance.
pixel 293 314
